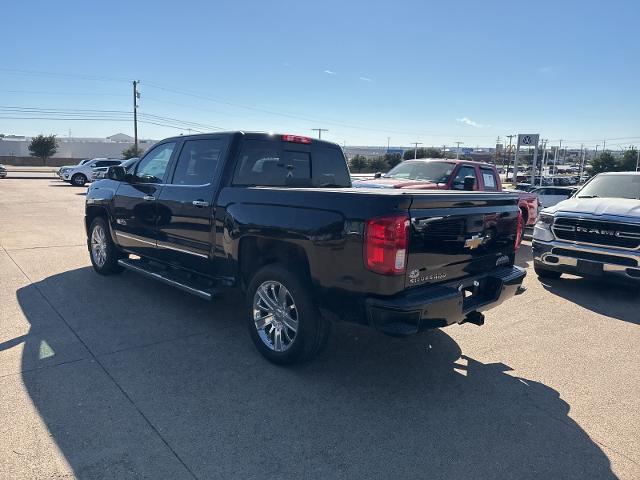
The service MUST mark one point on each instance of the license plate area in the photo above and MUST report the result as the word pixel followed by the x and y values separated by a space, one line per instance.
pixel 586 267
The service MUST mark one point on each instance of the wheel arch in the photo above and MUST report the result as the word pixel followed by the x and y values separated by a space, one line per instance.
pixel 256 252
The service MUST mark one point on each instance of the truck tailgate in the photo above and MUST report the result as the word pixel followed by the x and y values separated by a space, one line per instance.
pixel 456 236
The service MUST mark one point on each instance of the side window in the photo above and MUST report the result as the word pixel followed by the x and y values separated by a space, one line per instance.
pixel 489 180
pixel 100 163
pixel 152 167
pixel 464 171
pixel 198 162
pixel 329 167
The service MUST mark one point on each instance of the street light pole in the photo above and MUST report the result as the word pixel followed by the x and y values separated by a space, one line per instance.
pixel 510 137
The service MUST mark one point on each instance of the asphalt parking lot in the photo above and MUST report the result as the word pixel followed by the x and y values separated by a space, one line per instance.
pixel 121 377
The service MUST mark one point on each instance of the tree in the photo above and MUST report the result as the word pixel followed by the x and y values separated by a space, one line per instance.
pixel 392 159
pixel 629 160
pixel 605 162
pixel 377 164
pixel 358 163
pixel 131 152
pixel 432 153
pixel 43 147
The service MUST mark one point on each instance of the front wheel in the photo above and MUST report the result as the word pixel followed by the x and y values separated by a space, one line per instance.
pixel 79 180
pixel 284 323
pixel 103 252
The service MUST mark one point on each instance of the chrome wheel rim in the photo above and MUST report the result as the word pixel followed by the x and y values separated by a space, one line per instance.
pixel 99 246
pixel 79 180
pixel 275 316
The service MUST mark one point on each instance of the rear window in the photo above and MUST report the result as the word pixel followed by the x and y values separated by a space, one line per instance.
pixel 489 180
pixel 279 164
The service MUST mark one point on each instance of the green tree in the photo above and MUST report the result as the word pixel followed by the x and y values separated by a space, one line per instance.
pixel 392 159
pixel 43 147
pixel 358 163
pixel 605 162
pixel 377 164
pixel 131 152
pixel 629 160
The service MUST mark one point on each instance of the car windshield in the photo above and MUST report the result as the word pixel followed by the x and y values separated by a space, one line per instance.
pixel 612 186
pixel 437 172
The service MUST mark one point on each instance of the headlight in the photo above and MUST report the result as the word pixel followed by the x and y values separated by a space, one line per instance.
pixel 542 230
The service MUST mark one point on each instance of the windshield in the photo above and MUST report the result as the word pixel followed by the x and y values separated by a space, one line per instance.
pixel 612 186
pixel 437 172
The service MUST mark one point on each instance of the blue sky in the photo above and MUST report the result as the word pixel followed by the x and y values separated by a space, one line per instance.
pixel 433 72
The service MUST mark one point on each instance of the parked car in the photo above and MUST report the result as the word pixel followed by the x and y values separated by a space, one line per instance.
pixel 82 173
pixel 441 174
pixel 549 196
pixel 275 216
pixel 594 233
pixel 101 172
pixel 3 171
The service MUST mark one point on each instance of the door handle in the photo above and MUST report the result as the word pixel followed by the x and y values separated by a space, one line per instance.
pixel 200 203
pixel 149 198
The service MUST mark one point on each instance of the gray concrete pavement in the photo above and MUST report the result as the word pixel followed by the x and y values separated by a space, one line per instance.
pixel 120 377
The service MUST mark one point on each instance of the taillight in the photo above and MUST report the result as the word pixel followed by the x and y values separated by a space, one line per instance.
pixel 295 139
pixel 386 241
pixel 520 230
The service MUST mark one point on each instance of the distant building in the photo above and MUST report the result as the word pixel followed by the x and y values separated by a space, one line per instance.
pixel 74 147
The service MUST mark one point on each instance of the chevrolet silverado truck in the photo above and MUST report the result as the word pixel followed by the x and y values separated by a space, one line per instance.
pixel 276 217
pixel 445 174
pixel 596 233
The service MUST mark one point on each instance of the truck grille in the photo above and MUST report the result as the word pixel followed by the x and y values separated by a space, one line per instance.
pixel 609 234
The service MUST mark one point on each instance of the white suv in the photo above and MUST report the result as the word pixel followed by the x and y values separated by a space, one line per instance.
pixel 82 173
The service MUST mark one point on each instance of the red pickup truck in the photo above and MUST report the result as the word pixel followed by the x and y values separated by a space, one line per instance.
pixel 445 174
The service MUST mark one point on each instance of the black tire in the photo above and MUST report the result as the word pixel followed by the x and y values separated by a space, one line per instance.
pixel 544 273
pixel 109 265
pixel 312 330
pixel 78 180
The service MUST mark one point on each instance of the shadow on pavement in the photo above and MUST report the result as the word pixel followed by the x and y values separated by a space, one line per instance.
pixel 612 299
pixel 371 406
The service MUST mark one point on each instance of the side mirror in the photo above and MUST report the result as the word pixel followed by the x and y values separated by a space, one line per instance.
pixel 469 182
pixel 378 175
pixel 117 173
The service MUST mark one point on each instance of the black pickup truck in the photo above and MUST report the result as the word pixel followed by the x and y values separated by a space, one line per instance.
pixel 275 216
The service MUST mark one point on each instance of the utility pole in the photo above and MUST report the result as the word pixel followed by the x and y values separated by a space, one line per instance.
pixel 604 145
pixel 543 162
pixel 136 96
pixel 319 130
pixel 415 149
pixel 583 154
pixel 560 150
pixel 458 149
pixel 388 143
pixel 510 137
pixel 444 151
pixel 637 159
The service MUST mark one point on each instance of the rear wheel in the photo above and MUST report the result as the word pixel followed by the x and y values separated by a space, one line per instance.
pixel 544 273
pixel 79 180
pixel 103 252
pixel 284 323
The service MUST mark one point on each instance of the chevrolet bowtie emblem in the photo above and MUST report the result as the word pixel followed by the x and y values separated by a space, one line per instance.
pixel 474 242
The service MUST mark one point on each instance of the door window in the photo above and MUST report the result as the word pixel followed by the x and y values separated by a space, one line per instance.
pixel 152 168
pixel 464 171
pixel 198 162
